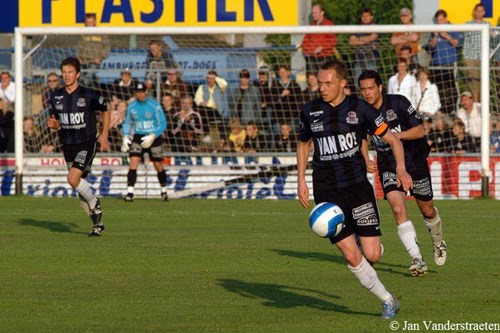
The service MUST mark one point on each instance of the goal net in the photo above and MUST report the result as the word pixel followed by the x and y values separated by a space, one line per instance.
pixel 232 99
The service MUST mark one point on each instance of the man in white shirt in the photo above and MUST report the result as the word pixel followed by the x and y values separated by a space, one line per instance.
pixel 7 89
pixel 470 114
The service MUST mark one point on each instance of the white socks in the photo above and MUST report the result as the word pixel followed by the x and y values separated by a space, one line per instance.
pixel 84 189
pixel 408 236
pixel 130 189
pixel 367 276
pixel 435 229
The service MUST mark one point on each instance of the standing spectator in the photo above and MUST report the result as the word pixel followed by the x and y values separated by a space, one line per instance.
pixel 167 105
pixel 158 62
pixel 286 141
pixel 268 95
pixel 187 127
pixel 212 97
pixel 175 87
pixel 339 174
pixel 73 113
pixel 444 46
pixel 92 50
pixel 495 138
pixel 7 90
pixel 118 113
pixel 366 52
pixel 472 52
pixel 244 100
pixel 318 48
pixel 6 128
pixel 400 39
pixel 406 53
pixel 146 121
pixel 31 140
pixel 461 142
pixel 426 95
pixel 123 88
pixel 290 97
pixel 402 83
pixel 53 83
pixel 312 90
pixel 470 114
pixel 439 137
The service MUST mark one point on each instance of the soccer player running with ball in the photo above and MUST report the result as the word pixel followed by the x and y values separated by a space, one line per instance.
pixel 146 120
pixel 337 124
pixel 404 121
pixel 73 113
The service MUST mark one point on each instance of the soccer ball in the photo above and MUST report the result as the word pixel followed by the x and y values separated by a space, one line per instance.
pixel 326 219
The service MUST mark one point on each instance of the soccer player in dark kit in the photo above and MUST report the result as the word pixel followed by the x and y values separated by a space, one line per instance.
pixel 73 113
pixel 337 124
pixel 404 121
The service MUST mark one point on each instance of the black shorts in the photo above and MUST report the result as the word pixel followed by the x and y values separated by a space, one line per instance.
pixel 80 156
pixel 421 176
pixel 359 205
pixel 155 151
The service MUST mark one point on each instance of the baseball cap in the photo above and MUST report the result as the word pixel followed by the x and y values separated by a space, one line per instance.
pixel 140 87
pixel 466 93
pixel 405 11
pixel 263 70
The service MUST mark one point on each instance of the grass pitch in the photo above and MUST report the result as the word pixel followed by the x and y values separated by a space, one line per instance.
pixel 229 266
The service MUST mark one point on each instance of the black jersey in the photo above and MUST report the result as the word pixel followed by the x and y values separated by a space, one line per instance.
pixel 400 116
pixel 337 133
pixel 77 114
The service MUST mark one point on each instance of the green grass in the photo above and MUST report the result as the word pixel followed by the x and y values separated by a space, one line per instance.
pixel 228 266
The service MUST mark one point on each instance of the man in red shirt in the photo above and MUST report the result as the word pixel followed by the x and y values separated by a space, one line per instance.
pixel 318 48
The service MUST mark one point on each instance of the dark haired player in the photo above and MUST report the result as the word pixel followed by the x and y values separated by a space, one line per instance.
pixel 405 123
pixel 73 113
pixel 337 124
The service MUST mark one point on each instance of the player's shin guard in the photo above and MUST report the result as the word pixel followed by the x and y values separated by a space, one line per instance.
pixel 434 226
pixel 85 191
pixel 369 279
pixel 408 237
pixel 162 178
pixel 131 178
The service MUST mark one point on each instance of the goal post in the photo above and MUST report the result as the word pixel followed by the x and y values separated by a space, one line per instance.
pixel 22 52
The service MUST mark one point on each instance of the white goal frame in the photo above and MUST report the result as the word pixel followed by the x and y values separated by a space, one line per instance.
pixel 20 33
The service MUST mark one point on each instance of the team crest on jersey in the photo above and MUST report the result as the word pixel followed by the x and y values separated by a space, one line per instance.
pixel 59 106
pixel 81 102
pixel 101 100
pixel 317 126
pixel 148 114
pixel 410 109
pixel 391 115
pixel 352 118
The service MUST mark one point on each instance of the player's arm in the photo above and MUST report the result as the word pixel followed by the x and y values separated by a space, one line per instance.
pixel 413 133
pixel 371 166
pixel 403 178
pixel 53 122
pixel 302 158
pixel 103 137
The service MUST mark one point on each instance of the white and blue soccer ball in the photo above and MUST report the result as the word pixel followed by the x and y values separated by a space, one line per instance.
pixel 326 219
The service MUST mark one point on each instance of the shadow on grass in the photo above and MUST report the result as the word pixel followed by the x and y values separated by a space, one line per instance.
pixel 286 297
pixel 338 259
pixel 51 226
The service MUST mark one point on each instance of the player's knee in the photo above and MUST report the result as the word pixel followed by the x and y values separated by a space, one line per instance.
pixel 373 255
pixel 398 210
pixel 353 258
pixel 428 212
pixel 73 182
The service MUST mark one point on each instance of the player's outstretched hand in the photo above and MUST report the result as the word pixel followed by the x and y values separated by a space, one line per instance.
pixel 147 141
pixel 126 144
pixel 404 179
pixel 371 166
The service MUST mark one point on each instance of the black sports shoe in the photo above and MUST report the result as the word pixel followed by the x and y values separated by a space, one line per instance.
pixel 96 213
pixel 129 197
pixel 164 196
pixel 97 230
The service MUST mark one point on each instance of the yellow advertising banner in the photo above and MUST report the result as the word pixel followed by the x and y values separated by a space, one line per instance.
pixel 461 11
pixel 159 13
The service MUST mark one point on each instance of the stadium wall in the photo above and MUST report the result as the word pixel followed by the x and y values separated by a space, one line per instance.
pixel 230 177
